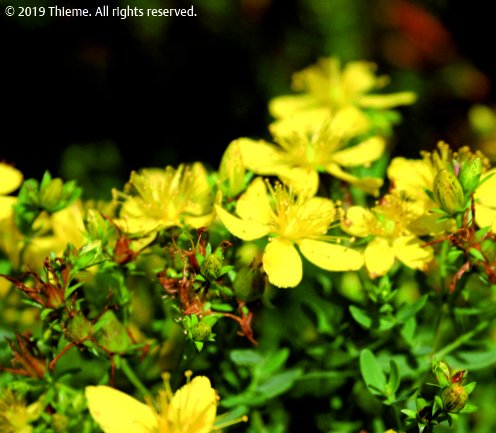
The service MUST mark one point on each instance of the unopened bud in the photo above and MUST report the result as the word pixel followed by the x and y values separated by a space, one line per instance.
pixel 442 372
pixel 78 328
pixel 448 192
pixel 111 334
pixel 470 174
pixel 249 284
pixel 55 195
pixel 201 331
pixel 232 169
pixel 59 422
pixel 454 398
pixel 212 265
pixel 51 194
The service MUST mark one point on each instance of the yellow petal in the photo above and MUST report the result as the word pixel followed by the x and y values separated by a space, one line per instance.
pixel 409 250
pixel 387 101
pixel 358 77
pixel 254 204
pixel 286 105
pixel 370 185
pixel 363 153
pixel 68 224
pixel 243 229
pixel 6 204
pixel 199 221
pixel 304 181
pixel 430 224
pixel 359 221
pixel 10 178
pixel 301 123
pixel 117 412
pixel 379 257
pixel 193 407
pixel 485 216
pixel 282 263
pixel 319 212
pixel 138 226
pixel 349 122
pixel 332 257
pixel 259 156
pixel 485 193
pixel 411 175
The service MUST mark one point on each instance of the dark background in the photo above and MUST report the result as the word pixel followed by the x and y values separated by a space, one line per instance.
pixel 93 98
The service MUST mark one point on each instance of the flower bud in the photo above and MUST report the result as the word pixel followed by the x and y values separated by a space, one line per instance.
pixel 201 331
pixel 55 195
pixel 51 194
pixel 232 169
pixel 78 328
pixel 454 398
pixel 212 265
pixel 448 192
pixel 249 284
pixel 111 334
pixel 442 372
pixel 470 174
pixel 60 422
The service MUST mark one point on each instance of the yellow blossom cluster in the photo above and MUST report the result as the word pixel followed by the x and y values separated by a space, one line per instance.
pixel 292 193
pixel 325 130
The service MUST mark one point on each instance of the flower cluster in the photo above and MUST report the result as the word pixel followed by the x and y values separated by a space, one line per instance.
pixel 183 266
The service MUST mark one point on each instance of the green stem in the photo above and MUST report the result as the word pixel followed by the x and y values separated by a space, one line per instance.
pixel 439 329
pixel 133 378
pixel 461 340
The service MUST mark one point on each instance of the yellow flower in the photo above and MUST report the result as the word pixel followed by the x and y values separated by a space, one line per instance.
pixel 388 223
pixel 289 220
pixel 10 180
pixel 53 233
pixel 313 142
pixel 192 409
pixel 15 416
pixel 325 84
pixel 414 176
pixel 156 199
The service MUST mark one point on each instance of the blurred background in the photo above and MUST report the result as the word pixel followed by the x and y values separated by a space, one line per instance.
pixel 94 98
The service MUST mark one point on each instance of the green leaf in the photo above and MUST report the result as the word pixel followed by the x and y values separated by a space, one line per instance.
pixel 372 373
pixel 221 307
pixel 272 363
pixel 45 312
pixel 408 330
pixel 369 321
pixel 394 377
pixel 469 408
pixel 469 387
pixel 409 413
pixel 454 255
pixel 477 254
pixel 279 383
pixel 246 357
pixel 408 311
pixel 71 289
pixel 361 316
pixel 199 345
pixel 474 360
